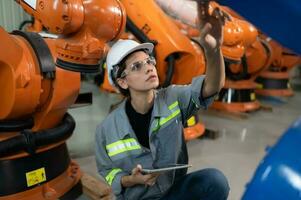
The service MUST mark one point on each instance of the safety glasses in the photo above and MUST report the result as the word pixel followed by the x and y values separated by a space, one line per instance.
pixel 137 66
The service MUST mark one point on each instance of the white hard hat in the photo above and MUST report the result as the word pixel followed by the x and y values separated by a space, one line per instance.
pixel 120 50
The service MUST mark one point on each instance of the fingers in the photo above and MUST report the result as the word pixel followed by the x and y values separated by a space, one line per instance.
pixel 203 6
pixel 149 177
pixel 211 41
pixel 217 14
pixel 137 169
pixel 156 174
pixel 220 15
pixel 205 30
pixel 151 181
pixel 227 16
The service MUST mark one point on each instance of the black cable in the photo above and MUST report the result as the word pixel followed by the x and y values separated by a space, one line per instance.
pixel 29 141
pixel 16 125
pixel 170 70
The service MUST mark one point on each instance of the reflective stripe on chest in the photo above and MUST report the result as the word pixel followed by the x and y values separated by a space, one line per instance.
pixel 122 146
pixel 175 111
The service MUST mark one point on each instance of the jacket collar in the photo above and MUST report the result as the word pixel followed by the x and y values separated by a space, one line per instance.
pixel 160 109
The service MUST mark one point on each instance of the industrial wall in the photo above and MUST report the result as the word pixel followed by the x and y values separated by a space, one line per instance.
pixel 11 15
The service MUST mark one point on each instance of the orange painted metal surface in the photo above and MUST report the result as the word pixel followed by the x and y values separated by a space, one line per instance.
pixel 157 26
pixel 240 85
pixel 240 40
pixel 236 107
pixel 238 34
pixel 258 58
pixel 282 61
pixel 84 28
pixel 28 93
pixel 283 58
pixel 35 27
pixel 194 131
pixel 53 189
pixel 21 86
pixel 106 86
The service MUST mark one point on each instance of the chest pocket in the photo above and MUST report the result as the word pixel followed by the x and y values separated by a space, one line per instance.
pixel 123 148
pixel 167 133
pixel 165 121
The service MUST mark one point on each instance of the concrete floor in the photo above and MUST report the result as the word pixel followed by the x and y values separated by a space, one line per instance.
pixel 237 151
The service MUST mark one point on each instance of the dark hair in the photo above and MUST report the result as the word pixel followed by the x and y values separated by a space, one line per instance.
pixel 121 67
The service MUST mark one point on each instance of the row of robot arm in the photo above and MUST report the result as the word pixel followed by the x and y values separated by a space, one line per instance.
pixel 242 41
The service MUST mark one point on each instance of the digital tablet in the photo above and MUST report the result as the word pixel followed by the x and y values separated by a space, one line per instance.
pixel 164 169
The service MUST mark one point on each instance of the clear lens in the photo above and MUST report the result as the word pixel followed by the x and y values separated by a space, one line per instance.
pixel 151 61
pixel 137 66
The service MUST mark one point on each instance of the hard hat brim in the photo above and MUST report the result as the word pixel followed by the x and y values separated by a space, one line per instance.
pixel 144 46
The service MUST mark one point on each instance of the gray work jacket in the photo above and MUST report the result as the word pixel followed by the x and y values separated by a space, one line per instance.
pixel 118 150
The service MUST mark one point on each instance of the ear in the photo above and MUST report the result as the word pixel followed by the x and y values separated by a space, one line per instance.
pixel 122 83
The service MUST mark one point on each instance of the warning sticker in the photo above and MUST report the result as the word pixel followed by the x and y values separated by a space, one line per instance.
pixel 191 121
pixel 253 96
pixel 35 177
pixel 31 3
pixel 259 86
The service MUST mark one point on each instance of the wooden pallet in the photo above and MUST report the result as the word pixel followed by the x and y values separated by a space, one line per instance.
pixel 96 189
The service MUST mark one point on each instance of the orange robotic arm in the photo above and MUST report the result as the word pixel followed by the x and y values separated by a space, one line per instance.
pixel 240 43
pixel 84 28
pixel 238 34
pixel 39 82
pixel 274 80
pixel 269 63
pixel 178 58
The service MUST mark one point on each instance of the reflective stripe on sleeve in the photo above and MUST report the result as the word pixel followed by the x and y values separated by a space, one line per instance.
pixel 170 117
pixel 110 177
pixel 173 105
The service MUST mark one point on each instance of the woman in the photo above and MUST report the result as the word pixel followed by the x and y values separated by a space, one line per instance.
pixel 146 130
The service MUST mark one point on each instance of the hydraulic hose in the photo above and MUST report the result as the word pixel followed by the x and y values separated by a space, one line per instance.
pixel 139 34
pixel 170 70
pixel 238 76
pixel 16 125
pixel 29 141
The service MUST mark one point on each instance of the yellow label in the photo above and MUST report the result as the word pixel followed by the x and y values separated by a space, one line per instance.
pixel 191 121
pixel 259 86
pixel 35 177
pixel 253 96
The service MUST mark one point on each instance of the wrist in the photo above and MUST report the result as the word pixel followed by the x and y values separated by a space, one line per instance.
pixel 128 181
